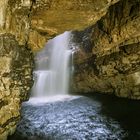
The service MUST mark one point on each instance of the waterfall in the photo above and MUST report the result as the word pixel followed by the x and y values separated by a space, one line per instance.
pixel 52 71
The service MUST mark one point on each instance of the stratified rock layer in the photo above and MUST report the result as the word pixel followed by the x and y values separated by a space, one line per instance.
pixel 111 64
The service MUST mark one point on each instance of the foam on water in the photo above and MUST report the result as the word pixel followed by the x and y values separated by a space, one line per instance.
pixel 55 98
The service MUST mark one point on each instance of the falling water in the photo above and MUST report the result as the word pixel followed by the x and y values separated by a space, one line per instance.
pixel 53 67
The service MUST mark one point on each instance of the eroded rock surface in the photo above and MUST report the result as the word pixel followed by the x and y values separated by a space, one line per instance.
pixel 36 21
pixel 111 64
pixel 16 62
pixel 15 81
pixel 53 17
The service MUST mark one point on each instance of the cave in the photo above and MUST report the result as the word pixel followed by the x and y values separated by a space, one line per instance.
pixel 69 70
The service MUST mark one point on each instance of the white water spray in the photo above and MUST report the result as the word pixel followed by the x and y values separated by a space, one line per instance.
pixel 53 69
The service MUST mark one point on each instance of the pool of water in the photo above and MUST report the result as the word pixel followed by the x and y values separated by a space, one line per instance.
pixel 91 117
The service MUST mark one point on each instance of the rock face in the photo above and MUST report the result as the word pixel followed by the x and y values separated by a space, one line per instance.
pixel 16 63
pixel 111 64
pixel 53 17
pixel 15 19
pixel 15 82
